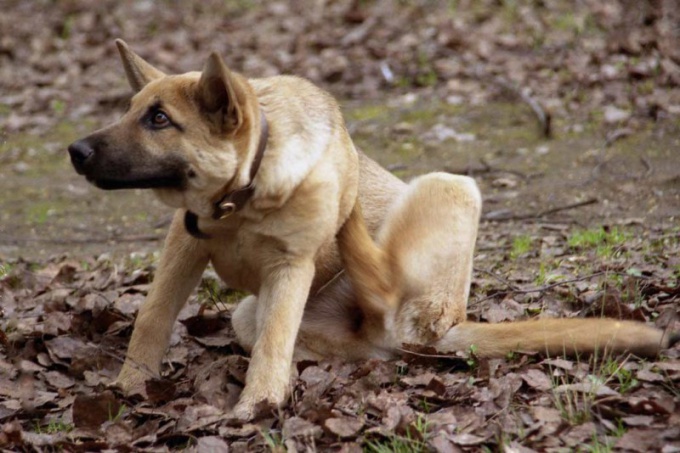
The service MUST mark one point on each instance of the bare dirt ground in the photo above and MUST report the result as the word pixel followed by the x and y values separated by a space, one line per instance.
pixel 566 115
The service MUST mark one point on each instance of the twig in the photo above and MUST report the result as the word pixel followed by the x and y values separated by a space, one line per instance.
pixel 579 204
pixel 541 289
pixel 545 212
pixel 429 356
pixel 359 33
pixel 618 134
pixel 661 237
pixel 648 167
pixel 497 277
pixel 564 282
pixel 91 240
pixel 469 170
pixel 544 118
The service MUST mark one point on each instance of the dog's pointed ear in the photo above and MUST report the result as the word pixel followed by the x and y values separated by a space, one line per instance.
pixel 138 71
pixel 221 94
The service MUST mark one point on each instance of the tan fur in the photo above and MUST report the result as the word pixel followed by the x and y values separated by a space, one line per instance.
pixel 419 285
pixel 409 286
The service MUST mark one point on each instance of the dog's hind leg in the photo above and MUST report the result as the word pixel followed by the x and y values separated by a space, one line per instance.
pixel 429 238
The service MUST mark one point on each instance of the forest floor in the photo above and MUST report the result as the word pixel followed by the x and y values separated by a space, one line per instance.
pixel 568 118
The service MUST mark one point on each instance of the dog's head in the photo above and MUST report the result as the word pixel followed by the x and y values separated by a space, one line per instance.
pixel 186 136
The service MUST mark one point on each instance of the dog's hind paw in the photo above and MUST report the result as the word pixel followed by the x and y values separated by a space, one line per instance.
pixel 247 411
pixel 426 319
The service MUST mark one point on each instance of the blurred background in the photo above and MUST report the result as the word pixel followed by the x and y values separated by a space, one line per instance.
pixel 547 103
pixel 566 113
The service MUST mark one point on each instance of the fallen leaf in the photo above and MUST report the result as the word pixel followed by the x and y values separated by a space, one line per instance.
pixel 90 411
pixel 344 427
pixel 537 379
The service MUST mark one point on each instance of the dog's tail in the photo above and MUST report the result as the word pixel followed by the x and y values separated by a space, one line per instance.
pixel 557 337
pixel 367 266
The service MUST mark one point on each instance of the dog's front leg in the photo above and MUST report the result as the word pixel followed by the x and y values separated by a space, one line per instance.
pixel 178 273
pixel 281 304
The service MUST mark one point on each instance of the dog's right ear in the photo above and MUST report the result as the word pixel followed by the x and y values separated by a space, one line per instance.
pixel 221 94
pixel 138 71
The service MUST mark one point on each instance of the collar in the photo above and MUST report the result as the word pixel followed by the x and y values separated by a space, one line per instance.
pixel 230 202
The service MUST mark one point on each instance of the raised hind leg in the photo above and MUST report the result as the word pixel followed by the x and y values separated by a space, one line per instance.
pixel 429 236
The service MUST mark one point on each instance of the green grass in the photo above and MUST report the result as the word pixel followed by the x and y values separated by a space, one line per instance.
pixel 211 293
pixel 606 445
pixel 366 113
pixel 5 270
pixel 410 443
pixel 548 273
pixel 472 357
pixel 273 440
pixel 53 427
pixel 576 406
pixel 606 242
pixel 615 372
pixel 520 246
pixel 118 415
pixel 39 212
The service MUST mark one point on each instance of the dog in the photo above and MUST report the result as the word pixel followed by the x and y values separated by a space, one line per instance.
pixel 341 257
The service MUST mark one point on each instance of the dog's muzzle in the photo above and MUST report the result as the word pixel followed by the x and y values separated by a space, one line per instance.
pixel 110 166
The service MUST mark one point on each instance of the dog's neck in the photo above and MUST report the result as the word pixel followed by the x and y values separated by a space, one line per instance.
pixel 229 202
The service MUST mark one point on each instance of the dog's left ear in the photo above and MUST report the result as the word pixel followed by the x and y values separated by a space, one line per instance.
pixel 138 71
pixel 220 93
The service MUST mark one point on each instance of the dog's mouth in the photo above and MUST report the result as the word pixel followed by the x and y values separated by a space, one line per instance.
pixel 156 182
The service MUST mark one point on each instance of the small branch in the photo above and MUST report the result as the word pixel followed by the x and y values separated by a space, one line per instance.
pixel 497 277
pixel 91 240
pixel 543 117
pixel 359 33
pixel 566 207
pixel 648 167
pixel 617 135
pixel 544 212
pixel 469 170
pixel 429 356
pixel 542 289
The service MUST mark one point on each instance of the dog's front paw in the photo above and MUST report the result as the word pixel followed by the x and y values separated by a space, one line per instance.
pixel 131 381
pixel 243 411
pixel 259 400
pixel 247 409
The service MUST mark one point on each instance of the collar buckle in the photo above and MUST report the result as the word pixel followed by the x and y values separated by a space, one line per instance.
pixel 227 208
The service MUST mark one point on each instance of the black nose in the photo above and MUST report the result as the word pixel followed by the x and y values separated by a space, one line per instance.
pixel 80 151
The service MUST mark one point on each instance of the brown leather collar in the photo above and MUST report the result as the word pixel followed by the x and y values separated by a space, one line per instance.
pixel 235 200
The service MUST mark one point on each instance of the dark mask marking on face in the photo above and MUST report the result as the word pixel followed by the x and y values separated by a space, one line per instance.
pixel 110 166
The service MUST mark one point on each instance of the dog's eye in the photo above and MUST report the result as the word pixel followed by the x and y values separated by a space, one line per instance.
pixel 160 119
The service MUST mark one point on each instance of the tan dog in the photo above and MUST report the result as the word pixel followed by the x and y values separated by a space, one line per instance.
pixel 267 183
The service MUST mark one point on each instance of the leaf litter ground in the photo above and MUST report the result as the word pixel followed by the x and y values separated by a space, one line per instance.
pixel 67 323
pixel 571 228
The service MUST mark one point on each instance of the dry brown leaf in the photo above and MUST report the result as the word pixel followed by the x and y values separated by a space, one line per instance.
pixel 91 411
pixel 344 427
pixel 639 440
pixel 537 379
